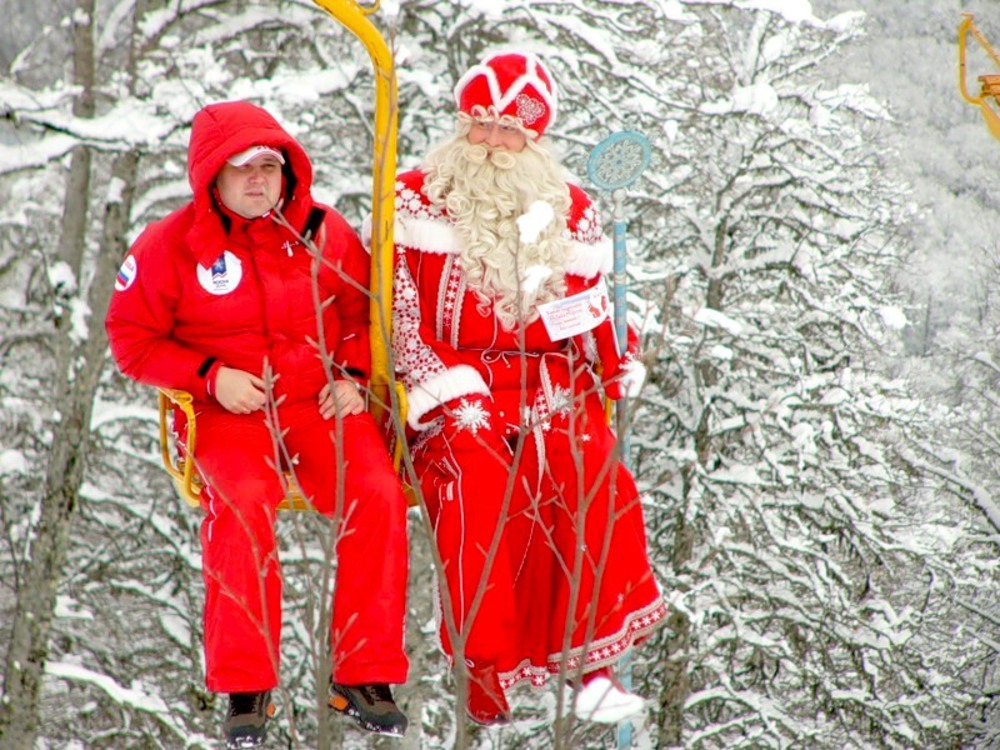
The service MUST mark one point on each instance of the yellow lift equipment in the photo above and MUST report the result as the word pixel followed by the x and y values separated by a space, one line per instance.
pixel 989 83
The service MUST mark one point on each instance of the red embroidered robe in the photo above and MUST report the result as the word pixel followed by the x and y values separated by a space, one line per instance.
pixel 522 446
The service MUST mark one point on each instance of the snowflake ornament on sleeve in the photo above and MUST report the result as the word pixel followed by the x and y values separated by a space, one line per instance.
pixel 472 416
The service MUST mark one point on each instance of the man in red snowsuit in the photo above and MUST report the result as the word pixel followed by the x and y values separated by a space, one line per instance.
pixel 219 299
pixel 504 340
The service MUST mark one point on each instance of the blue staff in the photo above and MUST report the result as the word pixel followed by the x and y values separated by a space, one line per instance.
pixel 615 164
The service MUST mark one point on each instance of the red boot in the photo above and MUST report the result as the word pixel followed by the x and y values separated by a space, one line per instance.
pixel 486 703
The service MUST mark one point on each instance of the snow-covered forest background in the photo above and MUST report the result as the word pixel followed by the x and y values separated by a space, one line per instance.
pixel 814 261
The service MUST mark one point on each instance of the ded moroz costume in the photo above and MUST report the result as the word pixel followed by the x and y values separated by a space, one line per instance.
pixel 505 342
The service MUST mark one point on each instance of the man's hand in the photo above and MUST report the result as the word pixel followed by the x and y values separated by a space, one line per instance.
pixel 343 397
pixel 238 391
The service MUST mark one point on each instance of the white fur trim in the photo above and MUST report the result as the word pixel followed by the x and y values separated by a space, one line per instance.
pixel 588 260
pixel 426 235
pixel 366 233
pixel 461 380
pixel 439 236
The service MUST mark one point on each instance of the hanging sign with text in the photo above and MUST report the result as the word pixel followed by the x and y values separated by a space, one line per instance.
pixel 576 314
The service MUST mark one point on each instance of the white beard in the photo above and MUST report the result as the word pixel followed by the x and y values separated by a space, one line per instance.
pixel 485 192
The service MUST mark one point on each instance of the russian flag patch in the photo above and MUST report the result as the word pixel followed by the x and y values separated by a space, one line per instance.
pixel 126 274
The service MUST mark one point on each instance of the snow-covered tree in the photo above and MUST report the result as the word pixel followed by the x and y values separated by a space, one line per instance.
pixel 961 379
pixel 772 439
pixel 946 152
pixel 118 635
pixel 791 500
pixel 821 585
pixel 940 146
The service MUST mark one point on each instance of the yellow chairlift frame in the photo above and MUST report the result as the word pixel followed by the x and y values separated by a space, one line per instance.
pixel 355 17
pixel 986 100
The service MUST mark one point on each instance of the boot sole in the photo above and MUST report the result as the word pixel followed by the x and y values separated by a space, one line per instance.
pixel 241 743
pixel 611 714
pixel 493 721
pixel 342 705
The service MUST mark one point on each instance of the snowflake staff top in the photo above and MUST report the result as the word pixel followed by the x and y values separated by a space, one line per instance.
pixel 613 165
pixel 619 160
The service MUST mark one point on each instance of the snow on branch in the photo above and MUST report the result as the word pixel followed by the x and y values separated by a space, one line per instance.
pixel 129 125
pixel 978 497
pixel 124 696
pixel 715 319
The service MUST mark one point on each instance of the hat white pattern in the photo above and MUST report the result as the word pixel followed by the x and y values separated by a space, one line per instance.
pixel 510 83
pixel 245 157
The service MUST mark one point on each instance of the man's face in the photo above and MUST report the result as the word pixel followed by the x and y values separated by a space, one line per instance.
pixel 493 134
pixel 253 189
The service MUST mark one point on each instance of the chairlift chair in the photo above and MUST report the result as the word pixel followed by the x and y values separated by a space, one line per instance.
pixel 989 83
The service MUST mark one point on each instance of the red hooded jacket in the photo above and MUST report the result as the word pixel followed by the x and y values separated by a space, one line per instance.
pixel 204 287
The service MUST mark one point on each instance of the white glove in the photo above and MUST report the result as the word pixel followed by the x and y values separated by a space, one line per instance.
pixel 632 377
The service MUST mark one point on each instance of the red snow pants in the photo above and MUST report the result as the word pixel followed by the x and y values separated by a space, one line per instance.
pixel 234 455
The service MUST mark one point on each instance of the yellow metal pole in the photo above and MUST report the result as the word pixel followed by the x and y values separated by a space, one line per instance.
pixel 963 33
pixel 355 18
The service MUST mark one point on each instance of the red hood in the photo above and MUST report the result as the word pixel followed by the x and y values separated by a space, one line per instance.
pixel 220 131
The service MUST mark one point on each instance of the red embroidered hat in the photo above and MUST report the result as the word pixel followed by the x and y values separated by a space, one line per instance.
pixel 511 83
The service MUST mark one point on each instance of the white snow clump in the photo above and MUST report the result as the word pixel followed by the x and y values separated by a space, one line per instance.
pixel 534 221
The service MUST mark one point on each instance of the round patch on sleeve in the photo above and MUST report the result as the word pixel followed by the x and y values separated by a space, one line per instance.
pixel 126 274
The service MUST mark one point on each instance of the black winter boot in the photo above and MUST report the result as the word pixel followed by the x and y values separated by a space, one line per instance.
pixel 371 706
pixel 246 720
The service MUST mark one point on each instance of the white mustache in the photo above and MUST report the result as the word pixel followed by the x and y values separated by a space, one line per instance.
pixel 479 154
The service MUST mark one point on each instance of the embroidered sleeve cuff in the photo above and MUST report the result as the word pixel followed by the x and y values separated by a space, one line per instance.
pixel 424 397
